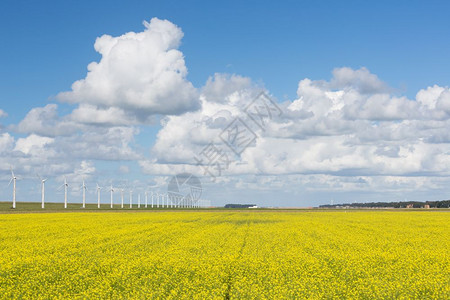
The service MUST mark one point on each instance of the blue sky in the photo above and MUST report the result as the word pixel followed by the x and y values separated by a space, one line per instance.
pixel 47 46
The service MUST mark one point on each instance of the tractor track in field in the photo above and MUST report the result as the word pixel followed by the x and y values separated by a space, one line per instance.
pixel 229 280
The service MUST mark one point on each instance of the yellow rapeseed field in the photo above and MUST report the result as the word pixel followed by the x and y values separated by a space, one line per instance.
pixel 226 255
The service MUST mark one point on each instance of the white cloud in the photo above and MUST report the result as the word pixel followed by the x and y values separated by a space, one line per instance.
pixel 428 97
pixel 142 73
pixel 184 136
pixel 109 143
pixel 84 171
pixel 361 80
pixel 33 145
pixel 222 85
pixel 6 143
pixel 90 114
pixel 350 126
pixel 3 113
pixel 45 121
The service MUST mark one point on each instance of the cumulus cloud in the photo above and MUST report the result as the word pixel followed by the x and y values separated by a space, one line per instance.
pixel 45 121
pixel 33 144
pixel 110 143
pixel 90 114
pixel 349 126
pixel 141 72
pixel 220 86
pixel 361 80
pixel 182 137
pixel 6 143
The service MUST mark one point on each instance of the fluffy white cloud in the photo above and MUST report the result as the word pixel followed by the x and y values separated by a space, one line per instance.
pixel 361 80
pixel 6 143
pixel 220 86
pixel 109 143
pixel 142 73
pixel 90 114
pixel 45 121
pixel 33 145
pixel 182 137
pixel 349 126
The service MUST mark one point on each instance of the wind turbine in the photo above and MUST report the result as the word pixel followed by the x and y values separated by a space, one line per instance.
pixel 139 200
pixel 131 198
pixel 112 192
pixel 84 187
pixel 146 199
pixel 65 185
pixel 98 195
pixel 121 196
pixel 152 198
pixel 13 180
pixel 42 190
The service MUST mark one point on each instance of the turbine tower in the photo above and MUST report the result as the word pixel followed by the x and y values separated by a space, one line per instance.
pixel 139 200
pixel 121 196
pixel 65 184
pixel 42 190
pixel 84 187
pixel 13 180
pixel 146 199
pixel 131 198
pixel 112 192
pixel 98 195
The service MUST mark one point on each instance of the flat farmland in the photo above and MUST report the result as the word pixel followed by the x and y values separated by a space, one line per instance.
pixel 226 255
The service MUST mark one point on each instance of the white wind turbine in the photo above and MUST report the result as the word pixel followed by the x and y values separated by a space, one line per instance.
pixel 98 195
pixel 121 196
pixel 152 198
pixel 13 180
pixel 112 192
pixel 131 198
pixel 146 199
pixel 65 185
pixel 42 190
pixel 139 200
pixel 84 187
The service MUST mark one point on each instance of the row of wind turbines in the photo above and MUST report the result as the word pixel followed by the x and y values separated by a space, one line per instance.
pixel 158 200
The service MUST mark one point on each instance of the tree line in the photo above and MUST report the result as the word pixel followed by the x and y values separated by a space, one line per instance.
pixel 401 204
